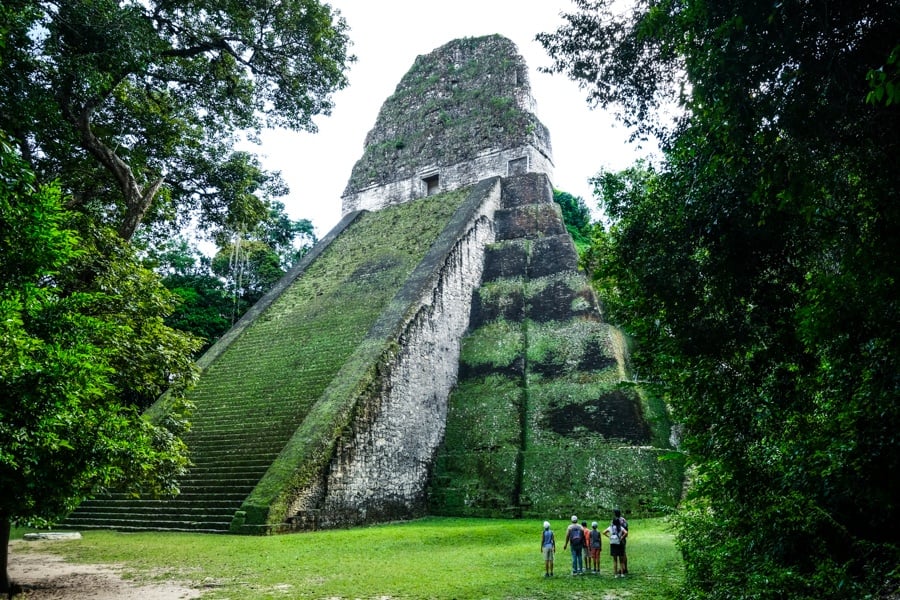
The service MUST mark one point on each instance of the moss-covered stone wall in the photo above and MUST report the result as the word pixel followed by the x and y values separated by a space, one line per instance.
pixel 542 421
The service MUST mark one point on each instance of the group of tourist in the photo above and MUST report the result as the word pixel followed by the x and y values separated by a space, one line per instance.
pixel 586 546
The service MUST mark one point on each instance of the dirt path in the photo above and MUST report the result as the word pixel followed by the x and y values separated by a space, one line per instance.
pixel 48 577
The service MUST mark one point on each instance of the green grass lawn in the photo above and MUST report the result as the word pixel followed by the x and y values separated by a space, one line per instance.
pixel 427 558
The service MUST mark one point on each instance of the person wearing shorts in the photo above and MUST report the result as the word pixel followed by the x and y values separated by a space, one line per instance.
pixel 586 548
pixel 548 549
pixel 615 533
pixel 595 547
pixel 624 541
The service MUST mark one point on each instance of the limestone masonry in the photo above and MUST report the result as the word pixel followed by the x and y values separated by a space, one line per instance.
pixel 438 352
pixel 461 114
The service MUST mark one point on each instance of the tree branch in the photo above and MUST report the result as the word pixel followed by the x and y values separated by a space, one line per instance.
pixel 220 44
pixel 137 201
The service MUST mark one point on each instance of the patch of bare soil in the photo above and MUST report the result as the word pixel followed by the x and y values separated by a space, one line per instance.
pixel 48 577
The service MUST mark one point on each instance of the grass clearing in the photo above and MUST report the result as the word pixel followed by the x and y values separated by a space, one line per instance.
pixel 427 558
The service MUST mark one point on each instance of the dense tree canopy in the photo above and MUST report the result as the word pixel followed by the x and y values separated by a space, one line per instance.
pixel 756 267
pixel 79 358
pixel 134 105
pixel 252 261
pixel 215 292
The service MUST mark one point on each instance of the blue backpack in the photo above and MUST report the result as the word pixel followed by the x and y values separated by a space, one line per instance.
pixel 576 536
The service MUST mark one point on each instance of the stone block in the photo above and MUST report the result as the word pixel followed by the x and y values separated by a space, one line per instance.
pixel 552 254
pixel 508 259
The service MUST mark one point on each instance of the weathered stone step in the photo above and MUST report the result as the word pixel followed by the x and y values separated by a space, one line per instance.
pixel 192 512
pixel 197 519
pixel 222 418
pixel 206 503
pixel 241 427
pixel 132 525
pixel 242 468
pixel 227 404
pixel 225 448
pixel 220 473
pixel 203 483
pixel 229 467
pixel 249 459
pixel 138 529
pixel 249 432
pixel 256 451
pixel 224 492
pixel 241 446
pixel 243 430
pixel 231 455
pixel 191 496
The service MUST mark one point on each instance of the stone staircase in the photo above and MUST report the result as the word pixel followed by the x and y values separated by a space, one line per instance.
pixel 229 458
pixel 256 391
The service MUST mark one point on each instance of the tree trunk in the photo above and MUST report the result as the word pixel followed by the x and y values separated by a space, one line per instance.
pixel 5 527
pixel 137 200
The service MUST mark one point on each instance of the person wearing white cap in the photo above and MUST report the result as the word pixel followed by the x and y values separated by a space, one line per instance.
pixel 595 547
pixel 548 548
pixel 575 537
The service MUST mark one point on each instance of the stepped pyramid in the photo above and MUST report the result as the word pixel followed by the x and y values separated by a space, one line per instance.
pixel 437 352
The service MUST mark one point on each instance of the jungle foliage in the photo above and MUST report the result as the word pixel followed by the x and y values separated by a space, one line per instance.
pixel 756 267
pixel 79 359
pixel 576 216
pixel 136 106
pixel 118 122
pixel 215 292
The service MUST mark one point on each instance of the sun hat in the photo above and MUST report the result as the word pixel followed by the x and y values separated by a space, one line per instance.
pixel 574 519
pixel 594 525
pixel 546 524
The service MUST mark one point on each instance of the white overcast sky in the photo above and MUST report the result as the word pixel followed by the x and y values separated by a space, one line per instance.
pixel 386 36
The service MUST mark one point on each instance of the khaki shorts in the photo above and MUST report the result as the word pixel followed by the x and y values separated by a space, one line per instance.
pixel 548 552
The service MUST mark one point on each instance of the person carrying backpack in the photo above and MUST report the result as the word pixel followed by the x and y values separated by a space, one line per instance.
pixel 548 548
pixel 624 523
pixel 575 540
pixel 615 532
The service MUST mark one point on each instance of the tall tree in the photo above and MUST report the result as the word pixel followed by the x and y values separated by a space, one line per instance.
pixel 134 105
pixel 204 305
pixel 78 361
pixel 215 293
pixel 757 268
pixel 252 261
pixel 132 108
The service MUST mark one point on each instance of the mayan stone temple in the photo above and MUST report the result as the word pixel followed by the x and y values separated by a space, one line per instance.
pixel 438 352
